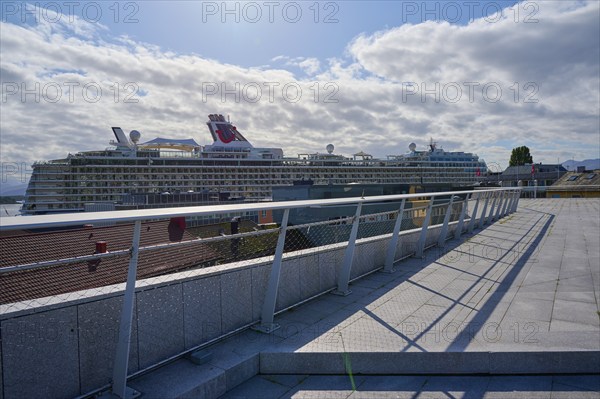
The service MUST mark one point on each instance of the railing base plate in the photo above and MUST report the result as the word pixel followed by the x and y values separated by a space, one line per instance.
pixel 130 393
pixel 266 328
pixel 341 293
pixel 200 357
pixel 389 271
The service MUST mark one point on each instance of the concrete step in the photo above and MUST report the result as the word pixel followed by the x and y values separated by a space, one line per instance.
pixel 270 386
pixel 451 363
pixel 186 379
pixel 228 370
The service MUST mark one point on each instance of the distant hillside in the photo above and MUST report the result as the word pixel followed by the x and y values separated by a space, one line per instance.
pixel 589 164
pixel 12 188
pixel 11 200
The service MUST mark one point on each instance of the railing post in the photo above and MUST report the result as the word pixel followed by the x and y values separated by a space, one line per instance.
pixel 516 194
pixel 490 216
pixel 344 277
pixel 501 203
pixel 507 203
pixel 500 213
pixel 485 206
pixel 511 209
pixel 461 219
pixel 474 214
pixel 268 310
pixel 444 230
pixel 119 386
pixel 423 237
pixel 516 204
pixel 391 251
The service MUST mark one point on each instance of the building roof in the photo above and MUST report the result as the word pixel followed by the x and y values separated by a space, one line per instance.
pixel 38 247
pixel 579 181
pixel 523 172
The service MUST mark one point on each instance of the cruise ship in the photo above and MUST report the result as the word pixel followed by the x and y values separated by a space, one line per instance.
pixel 175 172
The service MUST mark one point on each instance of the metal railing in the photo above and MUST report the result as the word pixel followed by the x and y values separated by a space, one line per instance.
pixel 421 210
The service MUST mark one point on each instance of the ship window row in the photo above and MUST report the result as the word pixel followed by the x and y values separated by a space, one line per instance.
pixel 97 175
pixel 247 175
pixel 134 166
pixel 281 168
pixel 149 180
pixel 86 181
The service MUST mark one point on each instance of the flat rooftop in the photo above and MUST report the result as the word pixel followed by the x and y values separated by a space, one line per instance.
pixel 520 297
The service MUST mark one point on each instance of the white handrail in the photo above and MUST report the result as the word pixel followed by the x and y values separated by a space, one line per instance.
pixel 79 218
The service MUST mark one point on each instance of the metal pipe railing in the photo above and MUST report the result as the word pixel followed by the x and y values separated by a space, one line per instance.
pixel 507 203
pixel 75 219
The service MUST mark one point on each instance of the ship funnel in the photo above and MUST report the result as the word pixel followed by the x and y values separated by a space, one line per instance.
pixel 122 141
pixel 224 133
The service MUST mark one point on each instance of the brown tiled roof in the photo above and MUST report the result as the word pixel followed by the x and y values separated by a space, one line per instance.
pixel 59 279
pixel 579 181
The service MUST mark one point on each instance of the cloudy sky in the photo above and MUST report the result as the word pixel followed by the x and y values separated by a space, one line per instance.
pixel 477 76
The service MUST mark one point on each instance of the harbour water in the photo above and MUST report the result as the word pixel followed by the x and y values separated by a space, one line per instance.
pixel 9 210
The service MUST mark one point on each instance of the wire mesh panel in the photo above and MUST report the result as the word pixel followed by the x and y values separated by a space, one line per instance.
pixel 36 266
pixel 376 224
pixel 169 245
pixel 320 233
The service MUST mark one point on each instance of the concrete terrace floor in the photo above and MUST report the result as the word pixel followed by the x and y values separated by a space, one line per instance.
pixel 503 313
pixel 421 387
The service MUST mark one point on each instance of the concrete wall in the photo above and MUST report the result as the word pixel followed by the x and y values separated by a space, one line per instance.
pixel 64 346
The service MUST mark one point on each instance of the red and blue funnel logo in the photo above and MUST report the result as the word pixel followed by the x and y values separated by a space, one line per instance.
pixel 226 133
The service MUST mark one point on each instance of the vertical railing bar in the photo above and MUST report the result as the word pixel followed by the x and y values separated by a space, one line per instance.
pixel 490 216
pixel 501 202
pixel 119 387
pixel 461 219
pixel 505 199
pixel 423 236
pixel 268 309
pixel 514 200
pixel 444 230
pixel 474 214
pixel 344 277
pixel 506 203
pixel 391 251
pixel 517 199
pixel 484 212
pixel 500 213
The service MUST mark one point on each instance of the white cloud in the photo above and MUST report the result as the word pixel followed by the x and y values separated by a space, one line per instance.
pixel 357 103
pixel 310 66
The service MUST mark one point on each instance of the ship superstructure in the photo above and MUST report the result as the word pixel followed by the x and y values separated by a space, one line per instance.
pixel 130 172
